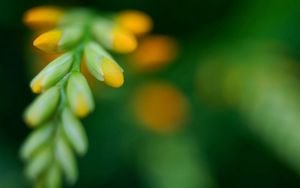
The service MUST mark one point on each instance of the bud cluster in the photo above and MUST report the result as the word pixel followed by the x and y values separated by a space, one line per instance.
pixel 75 36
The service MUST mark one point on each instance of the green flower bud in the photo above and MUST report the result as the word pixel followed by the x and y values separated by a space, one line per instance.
pixel 52 73
pixel 36 140
pixel 39 163
pixel 70 36
pixel 43 107
pixel 53 177
pixel 66 160
pixel 74 132
pixel 79 95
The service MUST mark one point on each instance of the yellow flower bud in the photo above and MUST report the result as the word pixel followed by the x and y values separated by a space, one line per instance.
pixel 48 41
pixel 112 73
pixel 58 40
pixel 43 17
pixel 123 41
pixel 79 95
pixel 42 108
pixel 137 22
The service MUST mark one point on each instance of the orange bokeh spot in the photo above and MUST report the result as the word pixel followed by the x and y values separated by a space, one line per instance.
pixel 153 52
pixel 160 107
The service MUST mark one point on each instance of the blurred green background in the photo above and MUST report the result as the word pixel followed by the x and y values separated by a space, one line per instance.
pixel 238 68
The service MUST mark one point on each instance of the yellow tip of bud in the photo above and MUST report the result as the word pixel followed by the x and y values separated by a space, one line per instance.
pixel 42 17
pixel 36 86
pixel 30 121
pixel 48 41
pixel 112 73
pixel 135 21
pixel 123 41
pixel 82 108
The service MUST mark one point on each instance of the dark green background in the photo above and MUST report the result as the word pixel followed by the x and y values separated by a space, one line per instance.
pixel 235 157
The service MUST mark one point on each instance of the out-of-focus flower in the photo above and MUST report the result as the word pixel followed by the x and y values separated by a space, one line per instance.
pixel 123 41
pixel 154 52
pixel 137 22
pixel 160 106
pixel 43 17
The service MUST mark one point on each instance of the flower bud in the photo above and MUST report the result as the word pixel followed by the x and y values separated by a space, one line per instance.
pixel 74 132
pixel 66 159
pixel 58 40
pixel 123 41
pixel 137 22
pixel 36 140
pixel 114 37
pixel 102 66
pixel 53 177
pixel 43 17
pixel 79 95
pixel 42 108
pixel 39 163
pixel 52 73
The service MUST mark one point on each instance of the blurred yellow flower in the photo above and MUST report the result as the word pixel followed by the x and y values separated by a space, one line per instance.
pixel 137 22
pixel 43 17
pixel 123 41
pixel 160 106
pixel 153 52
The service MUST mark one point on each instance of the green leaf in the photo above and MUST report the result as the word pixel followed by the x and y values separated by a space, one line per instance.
pixel 66 160
pixel 36 140
pixel 74 132
pixel 39 163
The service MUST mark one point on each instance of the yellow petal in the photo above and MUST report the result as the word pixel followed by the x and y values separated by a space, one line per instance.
pixel 123 41
pixel 42 17
pixel 135 21
pixel 112 73
pixel 48 41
